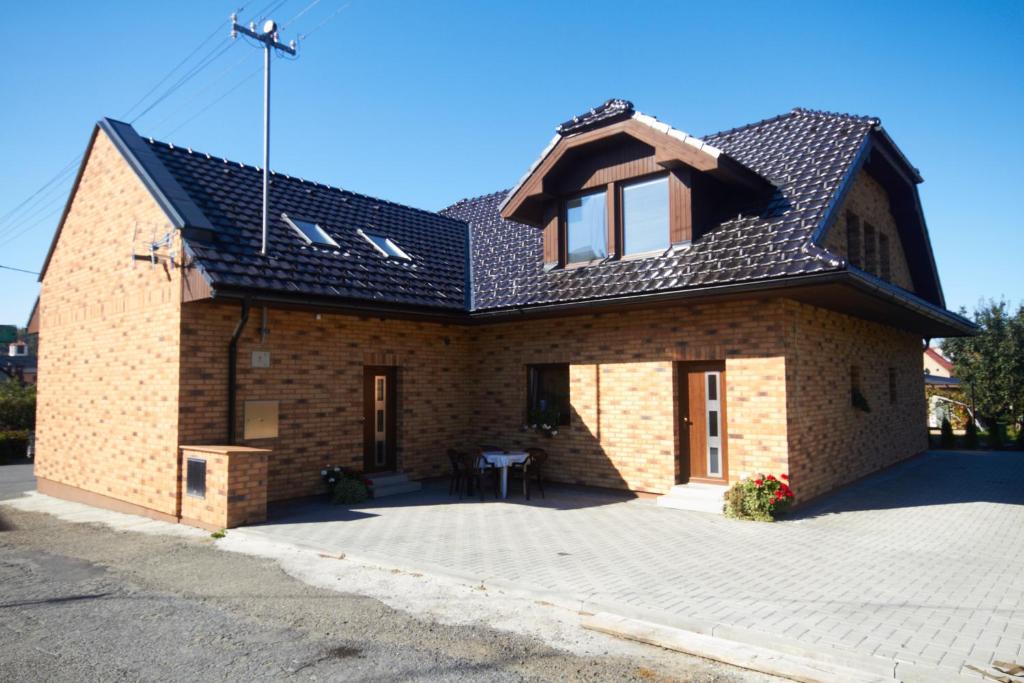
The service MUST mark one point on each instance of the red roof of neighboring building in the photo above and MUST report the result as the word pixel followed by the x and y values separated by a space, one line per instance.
pixel 939 358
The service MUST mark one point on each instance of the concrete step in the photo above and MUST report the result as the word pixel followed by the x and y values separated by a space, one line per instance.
pixel 696 497
pixel 392 483
pixel 387 478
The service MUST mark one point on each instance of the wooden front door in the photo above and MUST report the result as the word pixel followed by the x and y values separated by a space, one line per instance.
pixel 703 446
pixel 380 401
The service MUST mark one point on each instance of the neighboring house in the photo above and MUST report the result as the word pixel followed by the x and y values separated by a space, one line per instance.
pixel 943 391
pixel 937 365
pixel 687 310
pixel 19 364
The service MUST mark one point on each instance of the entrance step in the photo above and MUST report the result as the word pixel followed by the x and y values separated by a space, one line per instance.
pixel 392 483
pixel 696 497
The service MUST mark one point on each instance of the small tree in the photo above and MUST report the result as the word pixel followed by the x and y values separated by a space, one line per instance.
pixel 948 440
pixel 991 364
pixel 17 406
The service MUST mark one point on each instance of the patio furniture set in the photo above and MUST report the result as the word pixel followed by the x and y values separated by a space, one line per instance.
pixel 472 471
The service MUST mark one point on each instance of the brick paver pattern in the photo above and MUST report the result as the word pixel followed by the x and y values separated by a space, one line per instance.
pixel 921 563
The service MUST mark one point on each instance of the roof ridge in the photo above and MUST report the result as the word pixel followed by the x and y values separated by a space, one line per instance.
pixel 193 152
pixel 471 200
pixel 874 120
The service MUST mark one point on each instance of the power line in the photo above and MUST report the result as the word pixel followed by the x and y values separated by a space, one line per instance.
pixel 239 84
pixel 299 15
pixel 305 36
pixel 37 202
pixel 20 270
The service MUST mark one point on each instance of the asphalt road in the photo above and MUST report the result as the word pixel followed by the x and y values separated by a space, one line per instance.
pixel 15 480
pixel 84 602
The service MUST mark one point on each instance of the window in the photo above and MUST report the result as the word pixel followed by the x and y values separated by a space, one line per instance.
pixel 870 249
pixel 884 268
pixel 385 246
pixel 311 232
pixel 586 221
pixel 853 240
pixel 547 394
pixel 892 385
pixel 645 216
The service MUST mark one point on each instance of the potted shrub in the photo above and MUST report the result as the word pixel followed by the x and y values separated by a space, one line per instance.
pixel 345 486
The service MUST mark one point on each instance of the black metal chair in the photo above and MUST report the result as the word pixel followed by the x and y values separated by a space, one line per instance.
pixel 531 468
pixel 459 474
pixel 478 471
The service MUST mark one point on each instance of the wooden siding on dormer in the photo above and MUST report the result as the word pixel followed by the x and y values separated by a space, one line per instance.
pixel 591 169
pixel 552 243
pixel 680 205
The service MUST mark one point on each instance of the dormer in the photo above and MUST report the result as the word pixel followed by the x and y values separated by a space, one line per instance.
pixel 616 184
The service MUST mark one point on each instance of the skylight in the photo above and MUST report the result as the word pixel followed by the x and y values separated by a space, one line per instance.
pixel 311 232
pixel 385 246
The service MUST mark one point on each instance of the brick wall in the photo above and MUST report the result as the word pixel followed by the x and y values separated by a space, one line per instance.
pixel 830 441
pixel 623 428
pixel 869 200
pixel 109 341
pixel 316 373
pixel 465 386
pixel 236 487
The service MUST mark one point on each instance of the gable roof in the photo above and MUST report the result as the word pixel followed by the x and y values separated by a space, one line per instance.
pixel 806 155
pixel 618 118
pixel 467 259
pixel 229 195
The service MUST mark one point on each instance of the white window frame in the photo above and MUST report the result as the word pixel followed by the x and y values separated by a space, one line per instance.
pixel 625 222
pixel 713 405
pixel 396 251
pixel 325 239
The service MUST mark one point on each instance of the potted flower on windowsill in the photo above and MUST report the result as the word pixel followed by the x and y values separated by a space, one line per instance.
pixel 544 419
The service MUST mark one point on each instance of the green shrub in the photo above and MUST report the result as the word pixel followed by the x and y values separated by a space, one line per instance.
pixel 345 486
pixel 349 492
pixel 947 440
pixel 17 406
pixel 13 445
pixel 971 438
pixel 760 498
pixel 996 435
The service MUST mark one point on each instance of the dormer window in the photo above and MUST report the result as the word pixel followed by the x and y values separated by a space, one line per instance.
pixel 645 216
pixel 586 221
pixel 309 231
pixel 385 246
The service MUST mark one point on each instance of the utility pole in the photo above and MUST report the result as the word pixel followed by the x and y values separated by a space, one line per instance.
pixel 269 39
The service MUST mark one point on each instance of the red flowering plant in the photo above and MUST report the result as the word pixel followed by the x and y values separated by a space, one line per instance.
pixel 761 498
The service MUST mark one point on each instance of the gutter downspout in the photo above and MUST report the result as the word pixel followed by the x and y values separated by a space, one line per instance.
pixel 232 369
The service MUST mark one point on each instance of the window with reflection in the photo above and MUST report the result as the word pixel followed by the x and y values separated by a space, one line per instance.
pixel 645 216
pixel 586 220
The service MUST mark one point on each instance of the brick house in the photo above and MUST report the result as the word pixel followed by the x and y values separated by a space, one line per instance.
pixel 688 311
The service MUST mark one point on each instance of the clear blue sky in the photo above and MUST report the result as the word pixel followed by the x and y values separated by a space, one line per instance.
pixel 427 103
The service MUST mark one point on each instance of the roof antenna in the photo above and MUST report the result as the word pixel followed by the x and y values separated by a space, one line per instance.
pixel 269 39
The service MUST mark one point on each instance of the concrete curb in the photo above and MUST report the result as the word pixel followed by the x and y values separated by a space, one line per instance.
pixel 730 652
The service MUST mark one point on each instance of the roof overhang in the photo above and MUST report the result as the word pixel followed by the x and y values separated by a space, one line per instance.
pixel 855 294
pixel 672 149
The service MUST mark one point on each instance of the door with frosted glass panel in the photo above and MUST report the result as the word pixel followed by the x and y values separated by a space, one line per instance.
pixel 703 444
pixel 379 410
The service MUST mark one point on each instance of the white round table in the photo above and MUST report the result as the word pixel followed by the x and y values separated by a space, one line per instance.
pixel 503 460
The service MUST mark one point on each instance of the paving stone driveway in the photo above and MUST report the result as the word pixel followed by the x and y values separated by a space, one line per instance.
pixel 921 564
